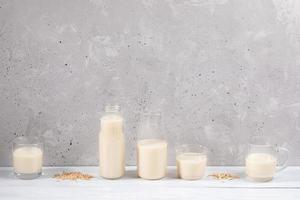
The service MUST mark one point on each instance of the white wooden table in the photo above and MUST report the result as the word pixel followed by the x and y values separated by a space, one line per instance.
pixel 285 186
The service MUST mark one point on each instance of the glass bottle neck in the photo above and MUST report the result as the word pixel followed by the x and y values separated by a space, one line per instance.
pixel 112 109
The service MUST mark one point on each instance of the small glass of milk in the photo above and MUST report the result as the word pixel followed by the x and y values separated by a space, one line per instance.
pixel 191 161
pixel 262 160
pixel 27 157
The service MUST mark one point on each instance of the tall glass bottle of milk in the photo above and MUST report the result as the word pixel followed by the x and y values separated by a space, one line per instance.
pixel 151 148
pixel 112 144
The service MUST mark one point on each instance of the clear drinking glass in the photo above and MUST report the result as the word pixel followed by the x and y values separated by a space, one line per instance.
pixel 264 160
pixel 27 157
pixel 151 147
pixel 191 161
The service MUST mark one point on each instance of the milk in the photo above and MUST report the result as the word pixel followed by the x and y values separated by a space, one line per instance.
pixel 112 147
pixel 191 166
pixel 260 166
pixel 28 160
pixel 152 158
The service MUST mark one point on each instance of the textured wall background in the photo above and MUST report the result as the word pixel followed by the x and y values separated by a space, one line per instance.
pixel 220 70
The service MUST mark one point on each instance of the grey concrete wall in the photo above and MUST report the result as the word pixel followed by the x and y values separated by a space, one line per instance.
pixel 220 71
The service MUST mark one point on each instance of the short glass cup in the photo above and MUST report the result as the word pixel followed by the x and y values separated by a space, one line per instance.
pixel 262 161
pixel 27 153
pixel 191 161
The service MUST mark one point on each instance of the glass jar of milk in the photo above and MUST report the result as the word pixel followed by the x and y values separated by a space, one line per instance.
pixel 112 144
pixel 262 160
pixel 27 157
pixel 151 147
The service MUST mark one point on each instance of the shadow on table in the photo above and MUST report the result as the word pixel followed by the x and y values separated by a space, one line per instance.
pixel 131 174
pixel 47 173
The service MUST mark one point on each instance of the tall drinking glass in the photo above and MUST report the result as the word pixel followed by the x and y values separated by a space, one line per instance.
pixel 151 147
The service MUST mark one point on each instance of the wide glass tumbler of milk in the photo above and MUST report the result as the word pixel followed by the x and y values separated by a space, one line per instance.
pixel 151 147
pixel 27 156
pixel 191 161
pixel 112 144
pixel 262 160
